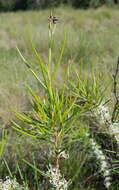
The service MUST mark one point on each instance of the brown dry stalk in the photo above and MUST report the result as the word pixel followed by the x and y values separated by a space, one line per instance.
pixel 115 91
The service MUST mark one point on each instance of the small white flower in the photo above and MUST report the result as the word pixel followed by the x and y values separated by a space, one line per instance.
pixel 65 155
pixel 114 128
pixel 11 184
pixel 108 184
pixel 104 167
pixel 102 113
pixel 57 180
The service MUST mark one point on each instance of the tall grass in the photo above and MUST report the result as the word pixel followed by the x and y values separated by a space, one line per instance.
pixel 92 40
pixel 69 106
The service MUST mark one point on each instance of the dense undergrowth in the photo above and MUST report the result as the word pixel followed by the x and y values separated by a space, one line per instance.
pixel 89 60
pixel 15 5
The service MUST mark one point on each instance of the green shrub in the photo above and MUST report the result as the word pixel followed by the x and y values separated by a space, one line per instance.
pixel 54 116
pixel 7 5
pixel 75 3
pixel 90 3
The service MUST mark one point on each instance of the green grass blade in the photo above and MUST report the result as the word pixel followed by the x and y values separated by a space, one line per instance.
pixel 60 56
pixel 38 170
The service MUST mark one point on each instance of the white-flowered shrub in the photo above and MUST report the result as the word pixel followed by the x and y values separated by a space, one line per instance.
pixel 57 180
pixel 104 166
pixel 11 184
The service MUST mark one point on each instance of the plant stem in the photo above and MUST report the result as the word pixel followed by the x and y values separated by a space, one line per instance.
pixel 56 163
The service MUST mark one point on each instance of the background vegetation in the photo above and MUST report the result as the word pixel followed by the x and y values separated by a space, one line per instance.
pixel 14 5
pixel 92 43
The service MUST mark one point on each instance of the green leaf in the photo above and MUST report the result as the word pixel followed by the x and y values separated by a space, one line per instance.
pixel 38 170
pixel 60 56
pixel 21 130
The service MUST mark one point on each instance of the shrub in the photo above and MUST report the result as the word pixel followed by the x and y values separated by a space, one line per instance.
pixel 54 116
pixel 90 3
pixel 11 184
pixel 7 5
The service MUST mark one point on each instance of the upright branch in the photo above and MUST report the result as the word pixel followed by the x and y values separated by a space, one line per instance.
pixel 52 26
pixel 115 91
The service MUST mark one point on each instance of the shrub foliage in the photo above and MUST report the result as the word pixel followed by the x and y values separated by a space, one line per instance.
pixel 10 5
